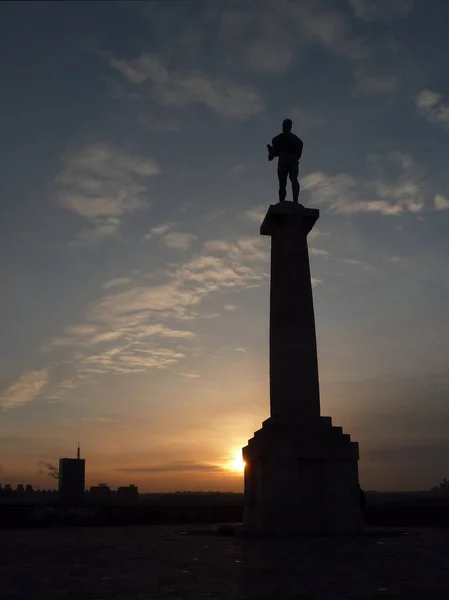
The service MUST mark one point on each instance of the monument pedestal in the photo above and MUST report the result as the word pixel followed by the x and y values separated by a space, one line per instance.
pixel 301 474
pixel 301 479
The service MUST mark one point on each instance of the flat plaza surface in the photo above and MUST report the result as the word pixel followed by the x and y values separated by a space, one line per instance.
pixel 139 563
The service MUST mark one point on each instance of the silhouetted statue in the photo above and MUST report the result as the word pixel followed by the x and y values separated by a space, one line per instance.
pixel 288 147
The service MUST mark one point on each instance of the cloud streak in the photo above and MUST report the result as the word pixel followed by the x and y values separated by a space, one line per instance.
pixel 175 467
pixel 388 196
pixel 178 89
pixel 117 282
pixel 135 328
pixel 159 230
pixel 250 39
pixel 102 184
pixel 381 10
pixel 178 240
pixel 27 387
pixel 440 202
pixel 432 107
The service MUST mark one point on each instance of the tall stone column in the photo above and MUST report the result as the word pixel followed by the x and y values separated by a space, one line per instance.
pixel 294 387
pixel 301 473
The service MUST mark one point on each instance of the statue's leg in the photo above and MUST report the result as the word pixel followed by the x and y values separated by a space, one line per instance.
pixel 282 176
pixel 294 173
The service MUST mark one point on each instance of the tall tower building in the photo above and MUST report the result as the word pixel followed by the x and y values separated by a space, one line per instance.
pixel 71 480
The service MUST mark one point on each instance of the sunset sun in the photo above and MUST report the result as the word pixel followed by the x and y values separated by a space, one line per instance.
pixel 235 463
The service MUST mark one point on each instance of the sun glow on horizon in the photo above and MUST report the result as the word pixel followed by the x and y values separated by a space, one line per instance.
pixel 236 463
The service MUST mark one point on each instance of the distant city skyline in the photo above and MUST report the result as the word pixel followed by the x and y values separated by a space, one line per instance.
pixel 135 282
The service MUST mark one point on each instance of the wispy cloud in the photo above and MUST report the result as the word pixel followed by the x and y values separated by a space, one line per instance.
pixel 60 389
pixel 134 329
pixel 352 261
pixel 131 360
pixel 431 106
pixel 178 334
pixel 337 191
pixel 381 10
pixel 388 196
pixel 173 88
pixel 101 184
pixel 100 420
pixel 257 213
pixel 117 282
pixel 440 202
pixel 401 159
pixel 25 389
pixel 230 307
pixel 190 375
pixel 241 250
pixel 159 230
pixel 174 467
pixel 319 252
pixel 178 240
pixel 327 28
pixel 250 38
pixel 106 336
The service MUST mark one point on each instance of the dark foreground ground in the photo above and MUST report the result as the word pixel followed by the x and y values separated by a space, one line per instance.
pixel 395 512
pixel 144 562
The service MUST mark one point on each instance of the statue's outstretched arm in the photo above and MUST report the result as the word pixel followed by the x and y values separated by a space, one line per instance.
pixel 272 150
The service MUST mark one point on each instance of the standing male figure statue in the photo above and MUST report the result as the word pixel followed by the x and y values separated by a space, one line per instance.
pixel 288 147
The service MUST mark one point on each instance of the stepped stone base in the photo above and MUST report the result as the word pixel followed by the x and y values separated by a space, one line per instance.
pixel 301 478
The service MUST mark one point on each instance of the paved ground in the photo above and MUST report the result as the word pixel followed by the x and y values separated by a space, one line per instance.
pixel 140 563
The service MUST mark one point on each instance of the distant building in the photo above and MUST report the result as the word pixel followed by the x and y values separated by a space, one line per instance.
pixel 127 494
pixel 6 493
pixel 100 494
pixel 442 489
pixel 71 480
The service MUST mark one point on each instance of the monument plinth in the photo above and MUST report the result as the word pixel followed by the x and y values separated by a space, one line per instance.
pixel 301 473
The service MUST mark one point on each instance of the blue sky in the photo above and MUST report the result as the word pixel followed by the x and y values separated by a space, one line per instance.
pixel 134 179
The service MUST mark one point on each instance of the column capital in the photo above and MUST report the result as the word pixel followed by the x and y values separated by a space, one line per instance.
pixel 289 212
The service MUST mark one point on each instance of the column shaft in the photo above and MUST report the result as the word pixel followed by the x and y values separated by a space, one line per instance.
pixel 294 387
